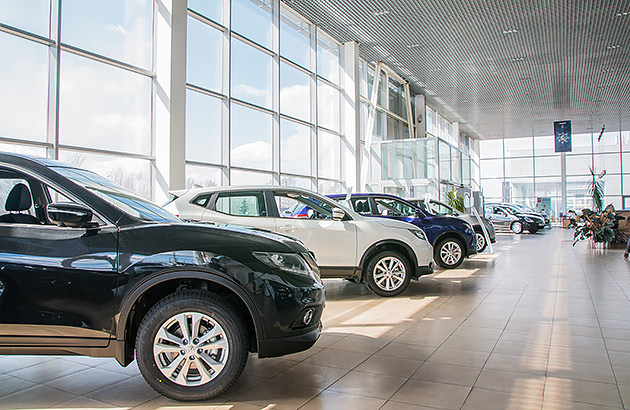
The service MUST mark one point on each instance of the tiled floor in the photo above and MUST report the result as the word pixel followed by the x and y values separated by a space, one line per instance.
pixel 539 324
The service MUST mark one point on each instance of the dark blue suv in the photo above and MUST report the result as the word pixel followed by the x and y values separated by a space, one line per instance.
pixel 452 238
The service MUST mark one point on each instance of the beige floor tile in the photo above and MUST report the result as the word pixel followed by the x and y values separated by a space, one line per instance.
pixel 337 358
pixel 394 405
pixel 582 371
pixel 10 384
pixel 572 354
pixel 447 373
pixel 130 393
pixel 620 358
pixel 267 368
pixel 311 375
pixel 468 343
pixel 511 382
pixel 333 400
pixel 390 366
pixel 618 345
pixel 407 351
pixel 522 364
pixel 37 397
pixel 86 381
pixel 571 405
pixel 279 395
pixel 366 384
pixel 81 403
pixel 459 357
pixel 431 394
pixel 359 344
pixel 625 395
pixel 9 364
pixel 582 392
pixel 48 371
pixel 482 399
pixel 622 374
pixel 581 342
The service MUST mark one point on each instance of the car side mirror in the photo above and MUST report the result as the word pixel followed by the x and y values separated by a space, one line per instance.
pixel 338 214
pixel 69 214
pixel 419 213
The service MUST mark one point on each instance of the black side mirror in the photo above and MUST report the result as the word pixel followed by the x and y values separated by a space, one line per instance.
pixel 69 214
pixel 419 213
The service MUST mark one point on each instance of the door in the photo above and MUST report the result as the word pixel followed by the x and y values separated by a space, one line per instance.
pixel 500 217
pixel 58 284
pixel 310 220
pixel 247 208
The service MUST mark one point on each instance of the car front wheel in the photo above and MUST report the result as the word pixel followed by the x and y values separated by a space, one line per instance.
pixel 516 227
pixel 481 244
pixel 388 273
pixel 191 345
pixel 449 253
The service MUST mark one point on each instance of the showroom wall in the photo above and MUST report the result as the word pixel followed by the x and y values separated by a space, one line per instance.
pixel 526 169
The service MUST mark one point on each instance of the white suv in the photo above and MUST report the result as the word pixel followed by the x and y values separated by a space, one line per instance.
pixel 385 254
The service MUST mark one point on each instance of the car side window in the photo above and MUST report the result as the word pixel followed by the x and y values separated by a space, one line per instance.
pixel 296 205
pixel 241 204
pixel 201 200
pixel 7 185
pixel 361 206
pixel 54 196
pixel 392 207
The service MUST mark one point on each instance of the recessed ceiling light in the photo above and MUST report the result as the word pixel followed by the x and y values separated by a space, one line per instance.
pixel 381 13
pixel 526 79
pixel 510 31
pixel 414 45
pixel 607 70
pixel 517 58
pixel 625 13
pixel 615 46
pixel 598 101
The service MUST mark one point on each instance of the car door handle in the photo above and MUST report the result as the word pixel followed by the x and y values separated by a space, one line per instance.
pixel 288 228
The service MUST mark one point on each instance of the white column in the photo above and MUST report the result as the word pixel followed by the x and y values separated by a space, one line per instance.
pixel 169 102
pixel 351 122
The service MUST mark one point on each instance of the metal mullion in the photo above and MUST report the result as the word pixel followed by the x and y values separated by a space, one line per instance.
pixel 26 35
pixel 205 91
pixel 338 134
pixel 314 112
pixel 328 82
pixel 105 152
pixel 35 144
pixel 206 164
pixel 294 119
pixel 226 126
pixel 106 60
pixel 296 65
pixel 260 171
pixel 276 156
pixel 54 78
pixel 254 106
pixel 206 20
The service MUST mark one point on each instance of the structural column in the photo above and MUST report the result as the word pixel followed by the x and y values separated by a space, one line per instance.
pixel 169 97
pixel 350 118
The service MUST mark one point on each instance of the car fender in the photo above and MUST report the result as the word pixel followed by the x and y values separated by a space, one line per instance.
pixel 364 258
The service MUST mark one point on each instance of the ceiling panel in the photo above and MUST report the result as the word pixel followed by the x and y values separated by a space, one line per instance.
pixel 509 68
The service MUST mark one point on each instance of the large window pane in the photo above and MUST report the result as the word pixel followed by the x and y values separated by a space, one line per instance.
pixel 295 148
pixel 23 88
pixel 520 187
pixel 118 29
pixel 134 174
pixel 251 138
pixel 547 166
pixel 295 38
pixel 203 127
pixel 328 106
pixel 202 176
pixel 612 184
pixel 492 168
pixel 444 153
pixel 204 55
pixel 397 99
pixel 329 155
pixel 239 177
pixel 32 15
pixel 548 186
pixel 625 140
pixel 290 180
pixel 609 142
pixel 491 149
pixel 580 144
pixel 295 92
pixel 519 167
pixel 410 159
pixel 328 58
pixel 213 9
pixel 329 187
pixel 23 149
pixel 103 106
pixel 518 147
pixel 252 19
pixel 251 74
pixel 579 164
pixel 544 145
pixel 609 162
pixel 492 187
pixel 456 166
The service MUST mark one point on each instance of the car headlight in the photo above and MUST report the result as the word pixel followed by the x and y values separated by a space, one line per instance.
pixel 289 262
pixel 419 234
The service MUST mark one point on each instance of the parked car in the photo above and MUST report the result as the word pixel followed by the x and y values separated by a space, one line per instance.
pixel 89 268
pixel 440 208
pixel 384 254
pixel 525 210
pixel 452 238
pixel 507 217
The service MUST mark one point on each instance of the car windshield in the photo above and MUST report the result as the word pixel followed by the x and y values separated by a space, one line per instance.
pixel 117 196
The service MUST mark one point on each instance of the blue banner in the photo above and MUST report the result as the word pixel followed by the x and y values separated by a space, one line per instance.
pixel 562 135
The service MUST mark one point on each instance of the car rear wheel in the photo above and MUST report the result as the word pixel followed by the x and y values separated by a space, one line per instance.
pixel 449 253
pixel 191 345
pixel 481 244
pixel 516 227
pixel 388 273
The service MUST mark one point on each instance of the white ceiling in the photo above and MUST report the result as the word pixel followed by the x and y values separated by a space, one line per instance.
pixel 505 68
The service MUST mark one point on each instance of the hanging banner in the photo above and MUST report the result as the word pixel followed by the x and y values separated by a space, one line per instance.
pixel 562 135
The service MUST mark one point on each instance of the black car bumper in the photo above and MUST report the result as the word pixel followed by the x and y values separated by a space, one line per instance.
pixel 424 270
pixel 279 346
pixel 528 226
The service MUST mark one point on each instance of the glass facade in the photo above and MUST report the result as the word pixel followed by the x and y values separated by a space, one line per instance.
pixel 526 170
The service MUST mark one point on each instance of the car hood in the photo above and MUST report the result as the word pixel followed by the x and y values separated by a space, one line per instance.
pixel 529 215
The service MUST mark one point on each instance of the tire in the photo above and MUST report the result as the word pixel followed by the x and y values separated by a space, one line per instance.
pixel 516 227
pixel 388 273
pixel 209 314
pixel 449 253
pixel 481 243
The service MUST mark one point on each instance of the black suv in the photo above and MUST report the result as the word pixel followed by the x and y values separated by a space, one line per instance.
pixel 89 268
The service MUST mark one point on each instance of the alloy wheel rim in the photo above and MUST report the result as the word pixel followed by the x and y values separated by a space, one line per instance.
pixel 190 349
pixel 481 242
pixel 451 252
pixel 518 227
pixel 389 273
